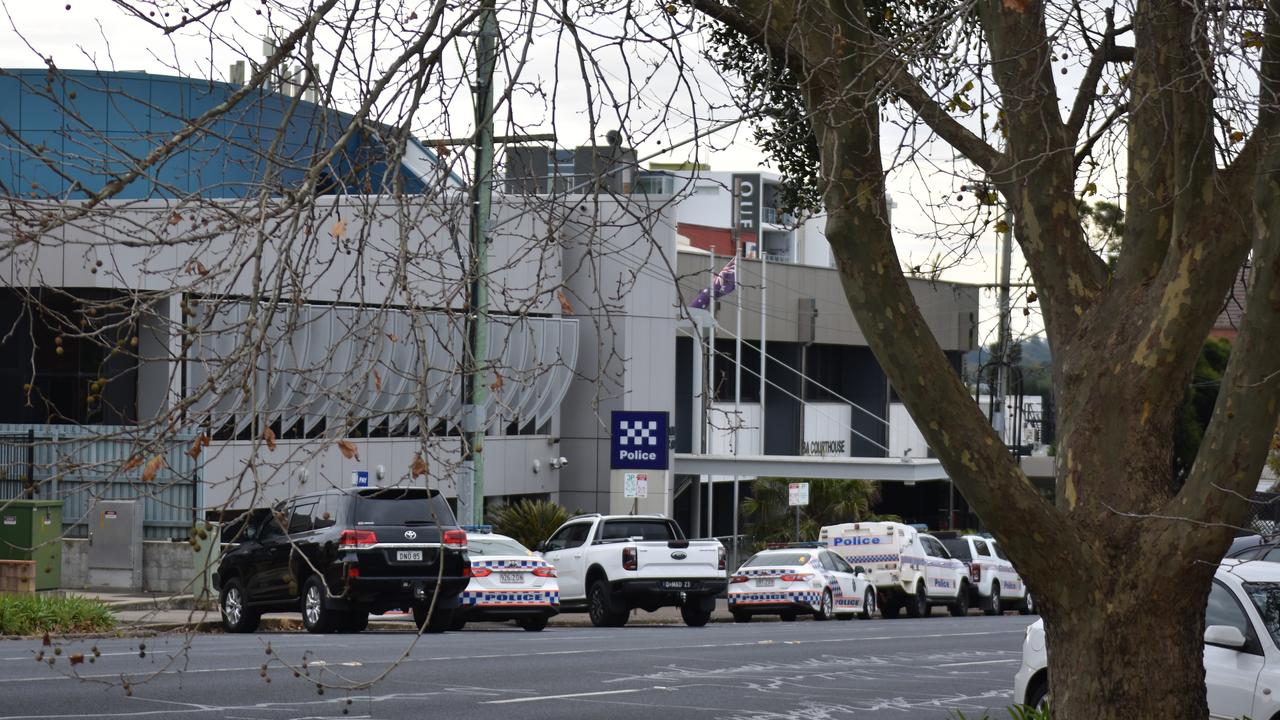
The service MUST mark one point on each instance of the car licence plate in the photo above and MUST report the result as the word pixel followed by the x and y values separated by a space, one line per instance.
pixel 764 582
pixel 409 555
pixel 510 578
pixel 676 584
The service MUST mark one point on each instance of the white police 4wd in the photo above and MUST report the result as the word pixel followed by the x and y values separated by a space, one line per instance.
pixel 911 570
pixel 800 580
pixel 995 585
pixel 610 565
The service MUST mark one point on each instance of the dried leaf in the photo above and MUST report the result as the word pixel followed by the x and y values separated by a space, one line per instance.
pixel 195 267
pixel 565 306
pixel 196 446
pixel 269 437
pixel 1002 226
pixel 1237 136
pixel 419 466
pixel 151 468
pixel 377 381
pixel 133 462
pixel 393 337
pixel 349 450
pixel 1016 5
pixel 175 218
pixel 203 440
pixel 1091 189
pixel 340 227
pixel 496 385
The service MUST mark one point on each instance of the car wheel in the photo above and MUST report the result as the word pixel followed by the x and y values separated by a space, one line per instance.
pixel 788 617
pixel 826 607
pixel 533 624
pixel 600 607
pixel 993 603
pixel 868 605
pixel 890 609
pixel 432 622
pixel 695 613
pixel 741 617
pixel 960 607
pixel 918 605
pixel 1028 606
pixel 354 621
pixel 236 615
pixel 317 618
pixel 457 621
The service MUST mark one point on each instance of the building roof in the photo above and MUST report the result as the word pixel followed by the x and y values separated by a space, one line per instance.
pixel 1232 314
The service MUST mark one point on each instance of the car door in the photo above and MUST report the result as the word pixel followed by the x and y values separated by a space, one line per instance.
pixel 940 574
pixel 271 559
pixel 1231 674
pixel 843 574
pixel 564 550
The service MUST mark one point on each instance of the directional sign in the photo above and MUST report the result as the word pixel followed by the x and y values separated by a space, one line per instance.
pixel 638 440
pixel 798 494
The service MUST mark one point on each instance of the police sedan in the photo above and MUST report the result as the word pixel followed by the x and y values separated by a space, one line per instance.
pixel 793 581
pixel 508 582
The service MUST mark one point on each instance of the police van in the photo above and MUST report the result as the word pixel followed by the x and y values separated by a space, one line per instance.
pixel 910 570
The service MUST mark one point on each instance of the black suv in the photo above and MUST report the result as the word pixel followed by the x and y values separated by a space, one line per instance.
pixel 338 555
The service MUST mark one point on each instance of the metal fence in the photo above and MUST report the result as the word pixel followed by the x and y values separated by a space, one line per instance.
pixel 78 465
pixel 1266 513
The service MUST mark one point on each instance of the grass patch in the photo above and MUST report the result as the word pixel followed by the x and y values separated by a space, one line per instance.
pixel 35 614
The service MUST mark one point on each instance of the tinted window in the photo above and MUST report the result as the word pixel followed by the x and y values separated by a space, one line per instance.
pixel 1223 609
pixel 495 546
pixel 981 547
pixel 958 548
pixel 300 514
pixel 1266 598
pixel 779 558
pixel 643 529
pixel 402 506
pixel 326 511
pixel 934 548
pixel 999 553
pixel 569 536
pixel 840 563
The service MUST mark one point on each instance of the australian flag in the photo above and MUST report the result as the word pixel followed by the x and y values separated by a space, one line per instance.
pixel 725 282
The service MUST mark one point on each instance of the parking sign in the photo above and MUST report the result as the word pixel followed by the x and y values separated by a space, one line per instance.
pixel 638 440
pixel 798 493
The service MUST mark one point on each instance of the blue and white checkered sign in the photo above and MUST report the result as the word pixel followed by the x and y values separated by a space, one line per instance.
pixel 638 440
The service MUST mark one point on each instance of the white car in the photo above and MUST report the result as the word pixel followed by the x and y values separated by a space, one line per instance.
pixel 508 582
pixel 800 580
pixel 1241 655
pixel 910 569
pixel 994 584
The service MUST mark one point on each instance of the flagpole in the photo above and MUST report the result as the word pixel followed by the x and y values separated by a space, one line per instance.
pixel 711 388
pixel 764 295
pixel 737 392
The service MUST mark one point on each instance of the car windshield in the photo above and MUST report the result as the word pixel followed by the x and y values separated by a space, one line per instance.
pixel 779 558
pixel 959 549
pixel 495 546
pixel 402 506
pixel 643 529
pixel 1266 598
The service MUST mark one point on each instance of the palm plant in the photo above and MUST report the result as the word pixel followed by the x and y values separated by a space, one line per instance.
pixel 769 519
pixel 528 521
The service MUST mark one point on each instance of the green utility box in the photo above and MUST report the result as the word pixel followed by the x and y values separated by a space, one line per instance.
pixel 32 530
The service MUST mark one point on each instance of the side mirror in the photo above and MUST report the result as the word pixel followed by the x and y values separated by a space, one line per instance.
pixel 1224 636
pixel 859 570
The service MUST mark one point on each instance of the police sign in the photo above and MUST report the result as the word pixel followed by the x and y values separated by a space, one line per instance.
pixel 638 440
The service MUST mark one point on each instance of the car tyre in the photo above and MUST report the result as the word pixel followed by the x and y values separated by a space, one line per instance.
pixel 1028 606
pixel 429 622
pixel 826 607
pixel 918 605
pixel 316 616
pixel 1038 697
pixel 354 621
pixel 457 621
pixel 600 607
pixel 532 624
pixel 993 606
pixel 741 617
pixel 695 613
pixel 868 605
pixel 788 617
pixel 960 607
pixel 236 615
pixel 890 608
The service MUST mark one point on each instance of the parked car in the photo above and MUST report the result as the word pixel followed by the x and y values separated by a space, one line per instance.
pixel 1241 655
pixel 508 582
pixel 791 581
pixel 910 569
pixel 609 565
pixel 1262 549
pixel 337 556
pixel 994 584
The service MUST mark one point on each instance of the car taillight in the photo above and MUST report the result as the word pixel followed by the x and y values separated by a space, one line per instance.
pixel 455 539
pixel 546 571
pixel 720 559
pixel 629 561
pixel 476 572
pixel 353 572
pixel 796 577
pixel 975 572
pixel 739 579
pixel 357 539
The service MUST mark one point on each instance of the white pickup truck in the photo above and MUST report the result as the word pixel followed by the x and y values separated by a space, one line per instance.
pixel 609 565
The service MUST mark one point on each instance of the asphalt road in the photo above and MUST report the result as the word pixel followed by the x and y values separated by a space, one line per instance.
pixel 926 668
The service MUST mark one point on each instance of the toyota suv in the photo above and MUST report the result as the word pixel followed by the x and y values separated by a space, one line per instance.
pixel 337 556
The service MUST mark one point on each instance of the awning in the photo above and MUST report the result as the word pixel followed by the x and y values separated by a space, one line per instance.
pixel 910 470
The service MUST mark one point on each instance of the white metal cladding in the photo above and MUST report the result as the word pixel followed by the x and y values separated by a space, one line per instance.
pixel 312 362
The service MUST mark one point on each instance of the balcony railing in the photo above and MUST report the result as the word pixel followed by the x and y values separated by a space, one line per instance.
pixel 774 217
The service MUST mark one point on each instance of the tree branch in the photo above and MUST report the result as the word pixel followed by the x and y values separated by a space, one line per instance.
pixel 1088 92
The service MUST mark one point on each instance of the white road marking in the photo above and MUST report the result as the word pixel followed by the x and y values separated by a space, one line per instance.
pixel 979 662
pixel 563 697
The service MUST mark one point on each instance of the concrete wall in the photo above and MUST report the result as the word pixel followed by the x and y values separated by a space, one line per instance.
pixel 167 567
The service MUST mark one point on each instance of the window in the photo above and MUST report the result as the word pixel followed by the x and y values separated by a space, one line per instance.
pixel 771 559
pixel 1224 609
pixel 934 548
pixel 1266 598
pixel 982 548
pixel 300 514
pixel 840 564
pixel 326 511
pixel 999 553
pixel 569 536
pixel 402 506
pixel 643 529
pixel 827 562
pixel 495 546
pixel 959 549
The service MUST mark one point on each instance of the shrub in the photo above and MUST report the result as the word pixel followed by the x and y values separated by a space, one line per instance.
pixel 528 521
pixel 34 614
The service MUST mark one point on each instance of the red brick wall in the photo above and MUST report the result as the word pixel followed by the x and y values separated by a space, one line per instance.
pixel 713 239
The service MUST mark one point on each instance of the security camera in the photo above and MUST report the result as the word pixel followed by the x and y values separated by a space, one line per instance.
pixel 537 465
pixel 564 461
